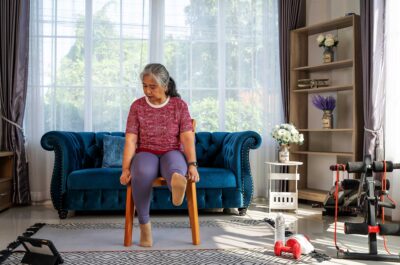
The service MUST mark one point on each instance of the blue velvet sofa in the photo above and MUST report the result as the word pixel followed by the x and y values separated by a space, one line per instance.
pixel 79 182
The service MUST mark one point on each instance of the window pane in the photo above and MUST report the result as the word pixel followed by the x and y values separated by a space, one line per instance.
pixel 177 61
pixel 70 18
pixel 243 110
pixel 204 109
pixel 64 108
pixel 133 53
pixel 70 62
pixel 110 108
pixel 134 21
pixel 204 65
pixel 106 11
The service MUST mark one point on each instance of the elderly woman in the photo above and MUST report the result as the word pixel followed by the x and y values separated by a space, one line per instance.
pixel 158 127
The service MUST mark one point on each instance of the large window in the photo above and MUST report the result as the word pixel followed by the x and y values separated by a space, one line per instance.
pixel 86 57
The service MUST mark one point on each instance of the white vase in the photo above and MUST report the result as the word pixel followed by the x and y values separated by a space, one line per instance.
pixel 284 153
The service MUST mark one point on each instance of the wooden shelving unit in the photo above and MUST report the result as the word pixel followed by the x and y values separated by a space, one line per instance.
pixel 326 66
pixel 324 89
pixel 327 130
pixel 351 91
pixel 6 178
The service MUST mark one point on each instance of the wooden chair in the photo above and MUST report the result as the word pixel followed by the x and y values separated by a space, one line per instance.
pixel 191 198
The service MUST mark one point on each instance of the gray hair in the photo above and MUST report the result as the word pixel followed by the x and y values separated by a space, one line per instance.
pixel 161 76
pixel 158 72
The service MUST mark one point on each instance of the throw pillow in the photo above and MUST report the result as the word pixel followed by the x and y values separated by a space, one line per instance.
pixel 113 150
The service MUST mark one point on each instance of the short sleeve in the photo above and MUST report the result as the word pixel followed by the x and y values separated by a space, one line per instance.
pixel 132 123
pixel 185 124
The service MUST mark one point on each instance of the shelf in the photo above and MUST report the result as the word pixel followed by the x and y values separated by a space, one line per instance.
pixel 5 179
pixel 6 153
pixel 327 130
pixel 324 89
pixel 326 66
pixel 323 153
pixel 312 195
pixel 339 23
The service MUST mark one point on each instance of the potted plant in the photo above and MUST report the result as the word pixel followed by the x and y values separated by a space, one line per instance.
pixel 286 134
pixel 327 105
pixel 327 42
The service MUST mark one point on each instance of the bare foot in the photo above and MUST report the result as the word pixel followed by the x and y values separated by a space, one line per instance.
pixel 178 184
pixel 146 239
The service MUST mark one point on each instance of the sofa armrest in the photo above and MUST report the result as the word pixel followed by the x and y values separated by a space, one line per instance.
pixel 236 148
pixel 68 152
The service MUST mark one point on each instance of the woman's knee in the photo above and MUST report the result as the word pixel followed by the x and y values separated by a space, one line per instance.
pixel 144 166
pixel 173 162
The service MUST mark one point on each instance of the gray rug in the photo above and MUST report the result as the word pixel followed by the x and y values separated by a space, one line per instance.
pixel 240 241
pixel 173 257
pixel 218 234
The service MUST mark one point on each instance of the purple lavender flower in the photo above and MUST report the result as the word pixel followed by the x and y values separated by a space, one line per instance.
pixel 324 103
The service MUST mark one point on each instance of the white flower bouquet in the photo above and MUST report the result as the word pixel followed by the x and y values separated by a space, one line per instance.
pixel 327 41
pixel 287 134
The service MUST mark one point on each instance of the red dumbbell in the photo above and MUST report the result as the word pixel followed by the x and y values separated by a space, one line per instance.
pixel 292 246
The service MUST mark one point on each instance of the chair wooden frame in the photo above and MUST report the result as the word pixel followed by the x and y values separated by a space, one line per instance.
pixel 191 197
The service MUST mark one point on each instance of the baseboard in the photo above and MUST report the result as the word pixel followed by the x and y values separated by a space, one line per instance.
pixel 39 196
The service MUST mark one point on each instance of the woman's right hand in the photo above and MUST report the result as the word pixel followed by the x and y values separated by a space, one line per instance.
pixel 125 177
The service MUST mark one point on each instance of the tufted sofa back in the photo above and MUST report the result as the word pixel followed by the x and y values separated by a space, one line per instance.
pixel 89 145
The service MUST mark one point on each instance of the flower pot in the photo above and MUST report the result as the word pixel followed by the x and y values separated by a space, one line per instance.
pixel 283 153
pixel 328 55
pixel 327 119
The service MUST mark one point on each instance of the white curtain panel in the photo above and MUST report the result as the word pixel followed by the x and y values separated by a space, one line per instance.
pixel 392 66
pixel 86 56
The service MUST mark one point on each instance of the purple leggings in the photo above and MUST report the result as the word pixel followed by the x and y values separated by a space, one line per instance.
pixel 145 168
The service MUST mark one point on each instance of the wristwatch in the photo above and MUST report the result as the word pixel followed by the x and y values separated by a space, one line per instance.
pixel 194 163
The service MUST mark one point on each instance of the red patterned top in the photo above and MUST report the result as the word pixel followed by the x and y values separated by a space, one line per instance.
pixel 158 126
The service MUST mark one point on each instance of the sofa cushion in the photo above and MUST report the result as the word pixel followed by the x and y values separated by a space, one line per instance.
pixel 216 178
pixel 108 178
pixel 95 178
pixel 113 149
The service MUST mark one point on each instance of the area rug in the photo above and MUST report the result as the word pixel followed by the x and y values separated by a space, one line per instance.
pixel 240 241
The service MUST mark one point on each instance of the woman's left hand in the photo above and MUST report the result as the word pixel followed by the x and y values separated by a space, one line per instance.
pixel 193 174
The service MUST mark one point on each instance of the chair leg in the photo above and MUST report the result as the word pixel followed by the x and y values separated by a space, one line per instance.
pixel 129 214
pixel 193 212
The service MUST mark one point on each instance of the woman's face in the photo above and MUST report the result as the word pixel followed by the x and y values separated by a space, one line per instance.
pixel 153 91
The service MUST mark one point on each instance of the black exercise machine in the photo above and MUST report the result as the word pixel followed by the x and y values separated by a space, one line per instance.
pixel 369 191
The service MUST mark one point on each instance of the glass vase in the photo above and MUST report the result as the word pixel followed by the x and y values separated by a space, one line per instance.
pixel 328 55
pixel 327 119
pixel 283 153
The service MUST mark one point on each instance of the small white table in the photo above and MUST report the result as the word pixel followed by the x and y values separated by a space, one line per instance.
pixel 282 198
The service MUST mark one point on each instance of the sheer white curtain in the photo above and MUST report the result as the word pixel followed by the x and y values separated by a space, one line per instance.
pixel 86 57
pixel 392 125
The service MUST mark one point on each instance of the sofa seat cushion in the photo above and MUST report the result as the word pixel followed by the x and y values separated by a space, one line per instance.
pixel 216 178
pixel 108 179
pixel 94 179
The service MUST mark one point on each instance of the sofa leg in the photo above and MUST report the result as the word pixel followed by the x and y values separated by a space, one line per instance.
pixel 227 211
pixel 62 214
pixel 242 211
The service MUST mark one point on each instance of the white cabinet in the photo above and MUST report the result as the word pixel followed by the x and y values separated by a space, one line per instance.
pixel 282 195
